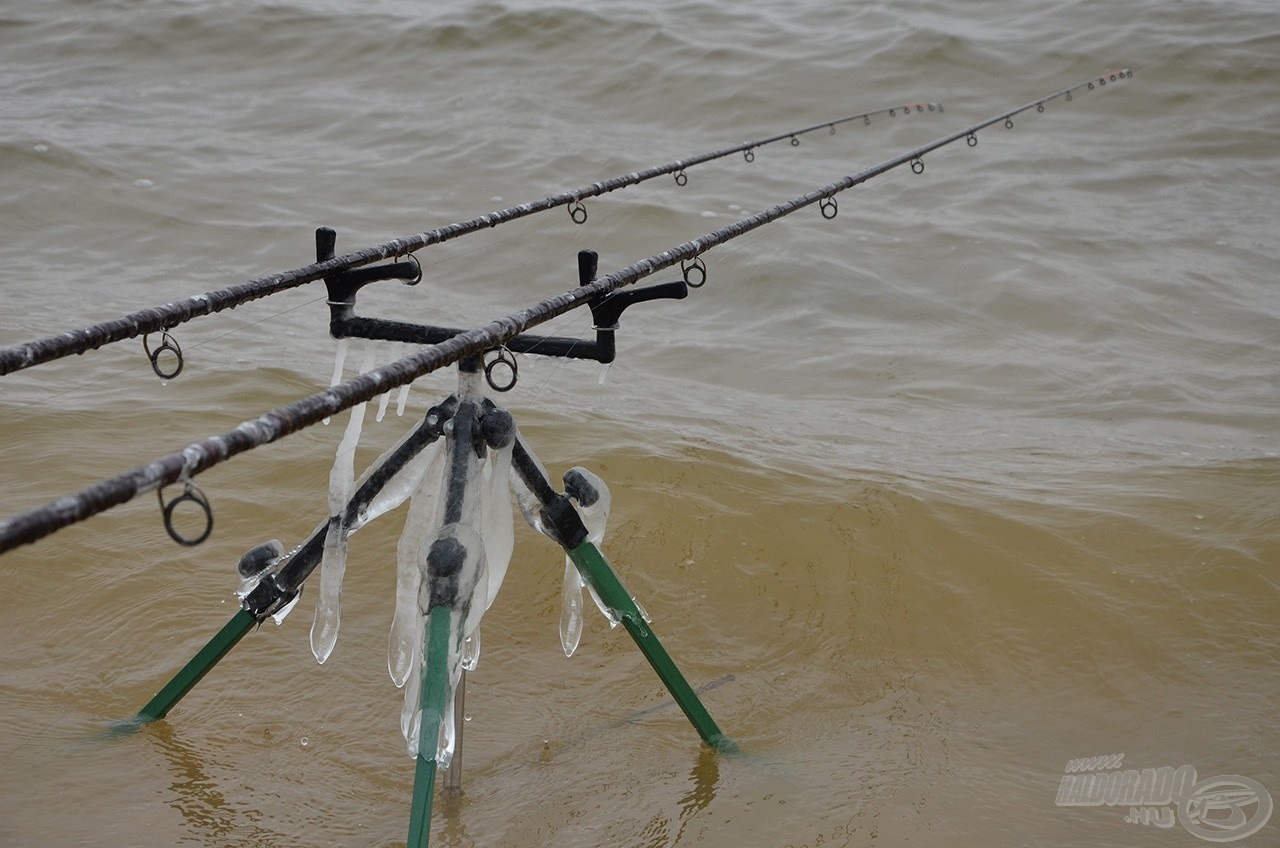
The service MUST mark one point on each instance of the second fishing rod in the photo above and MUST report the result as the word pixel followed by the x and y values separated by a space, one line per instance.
pixel 34 524
pixel 160 319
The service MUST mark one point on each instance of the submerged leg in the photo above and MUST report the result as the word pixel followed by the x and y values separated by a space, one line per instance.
pixel 186 679
pixel 558 518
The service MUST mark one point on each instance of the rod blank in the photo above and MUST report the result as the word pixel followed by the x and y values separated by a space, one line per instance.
pixel 37 523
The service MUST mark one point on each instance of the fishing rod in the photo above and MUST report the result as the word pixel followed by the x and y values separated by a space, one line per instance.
pixel 170 315
pixel 277 423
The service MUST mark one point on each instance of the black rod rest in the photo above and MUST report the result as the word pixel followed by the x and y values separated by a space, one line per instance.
pixel 480 423
pixel 605 311
pixel 342 287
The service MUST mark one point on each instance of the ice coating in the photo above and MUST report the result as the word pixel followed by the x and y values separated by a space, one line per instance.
pixel 454 573
pixel 471 651
pixel 583 485
pixel 281 614
pixel 411 711
pixel 342 477
pixel 328 618
pixel 333 563
pixel 401 486
pixel 260 558
pixel 385 397
pixel 530 506
pixel 498 529
pixel 571 609
pixel 453 578
pixel 256 563
pixel 596 515
pixel 339 362
pixel 445 742
pixel 420 523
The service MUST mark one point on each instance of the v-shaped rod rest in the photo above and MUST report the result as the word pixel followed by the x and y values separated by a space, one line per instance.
pixel 605 311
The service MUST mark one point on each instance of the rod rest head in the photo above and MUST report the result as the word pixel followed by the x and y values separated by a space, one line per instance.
pixel 342 286
pixel 606 311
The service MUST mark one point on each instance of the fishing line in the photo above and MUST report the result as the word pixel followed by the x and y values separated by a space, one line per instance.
pixel 170 315
pixel 277 423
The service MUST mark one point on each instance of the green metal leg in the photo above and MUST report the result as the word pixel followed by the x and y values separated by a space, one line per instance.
pixel 434 686
pixel 595 569
pixel 182 683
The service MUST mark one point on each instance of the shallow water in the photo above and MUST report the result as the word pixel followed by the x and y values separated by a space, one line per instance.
pixel 978 478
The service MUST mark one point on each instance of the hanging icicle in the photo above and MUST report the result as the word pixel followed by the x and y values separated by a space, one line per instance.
pixel 328 617
pixel 404 650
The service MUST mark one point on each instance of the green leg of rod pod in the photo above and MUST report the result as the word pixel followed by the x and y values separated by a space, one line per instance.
pixel 436 671
pixel 595 569
pixel 186 679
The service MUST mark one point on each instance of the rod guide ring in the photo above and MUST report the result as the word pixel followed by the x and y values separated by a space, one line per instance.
pixel 505 359
pixel 694 269
pixel 167 343
pixel 190 492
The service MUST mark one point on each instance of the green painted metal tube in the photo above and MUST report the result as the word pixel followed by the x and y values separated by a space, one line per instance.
pixel 435 684
pixel 182 683
pixel 595 569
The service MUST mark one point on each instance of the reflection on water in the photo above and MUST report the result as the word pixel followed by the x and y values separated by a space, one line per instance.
pixel 448 820
pixel 703 778
pixel 209 816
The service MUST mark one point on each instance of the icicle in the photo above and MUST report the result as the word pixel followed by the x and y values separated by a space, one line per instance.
pixel 340 360
pixel 571 609
pixel 592 498
pixel 333 563
pixel 498 529
pixel 419 526
pixel 444 744
pixel 385 397
pixel 328 618
pixel 411 712
pixel 604 372
pixel 342 477
pixel 402 485
pixel 404 396
pixel 471 651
